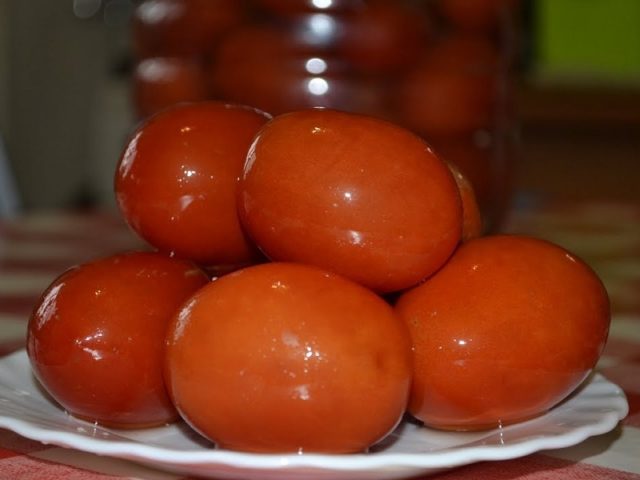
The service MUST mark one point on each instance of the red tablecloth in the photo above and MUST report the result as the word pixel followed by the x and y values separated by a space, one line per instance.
pixel 34 249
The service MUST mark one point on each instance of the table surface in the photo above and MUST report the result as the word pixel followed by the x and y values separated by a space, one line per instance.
pixel 35 248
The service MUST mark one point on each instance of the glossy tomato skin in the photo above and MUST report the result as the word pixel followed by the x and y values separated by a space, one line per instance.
pixel 351 194
pixel 176 181
pixel 506 330
pixel 471 217
pixel 286 358
pixel 96 338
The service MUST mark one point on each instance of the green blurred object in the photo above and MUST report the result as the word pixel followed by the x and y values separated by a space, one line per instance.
pixel 587 41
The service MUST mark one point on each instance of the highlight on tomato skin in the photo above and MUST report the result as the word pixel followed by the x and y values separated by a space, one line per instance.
pixel 176 181
pixel 160 82
pixel 96 337
pixel 472 226
pixel 184 28
pixel 282 358
pixel 352 194
pixel 506 330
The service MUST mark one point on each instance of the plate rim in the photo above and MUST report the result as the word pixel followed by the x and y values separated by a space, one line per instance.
pixel 162 455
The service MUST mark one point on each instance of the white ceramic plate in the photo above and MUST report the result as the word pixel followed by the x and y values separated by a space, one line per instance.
pixel 411 450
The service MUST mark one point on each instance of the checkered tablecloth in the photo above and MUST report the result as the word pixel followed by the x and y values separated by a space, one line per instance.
pixel 34 249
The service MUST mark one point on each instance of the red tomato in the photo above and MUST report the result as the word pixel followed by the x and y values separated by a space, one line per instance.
pixel 383 37
pixel 293 83
pixel 503 332
pixel 288 358
pixel 260 42
pixel 280 58
pixel 161 82
pixel 352 194
pixel 176 181
pixel 483 15
pixel 309 35
pixel 295 71
pixel 454 89
pixel 435 101
pixel 96 338
pixel 182 27
pixel 488 165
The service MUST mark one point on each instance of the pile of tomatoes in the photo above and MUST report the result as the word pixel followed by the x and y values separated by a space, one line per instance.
pixel 315 276
pixel 442 68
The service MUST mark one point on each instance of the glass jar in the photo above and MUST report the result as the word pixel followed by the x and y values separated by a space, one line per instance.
pixel 441 68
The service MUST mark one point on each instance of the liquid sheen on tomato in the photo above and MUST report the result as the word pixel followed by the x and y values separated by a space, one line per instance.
pixel 503 332
pixel 285 357
pixel 352 194
pixel 96 337
pixel 176 181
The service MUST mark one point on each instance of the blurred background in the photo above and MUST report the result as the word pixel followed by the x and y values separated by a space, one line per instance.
pixel 562 119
